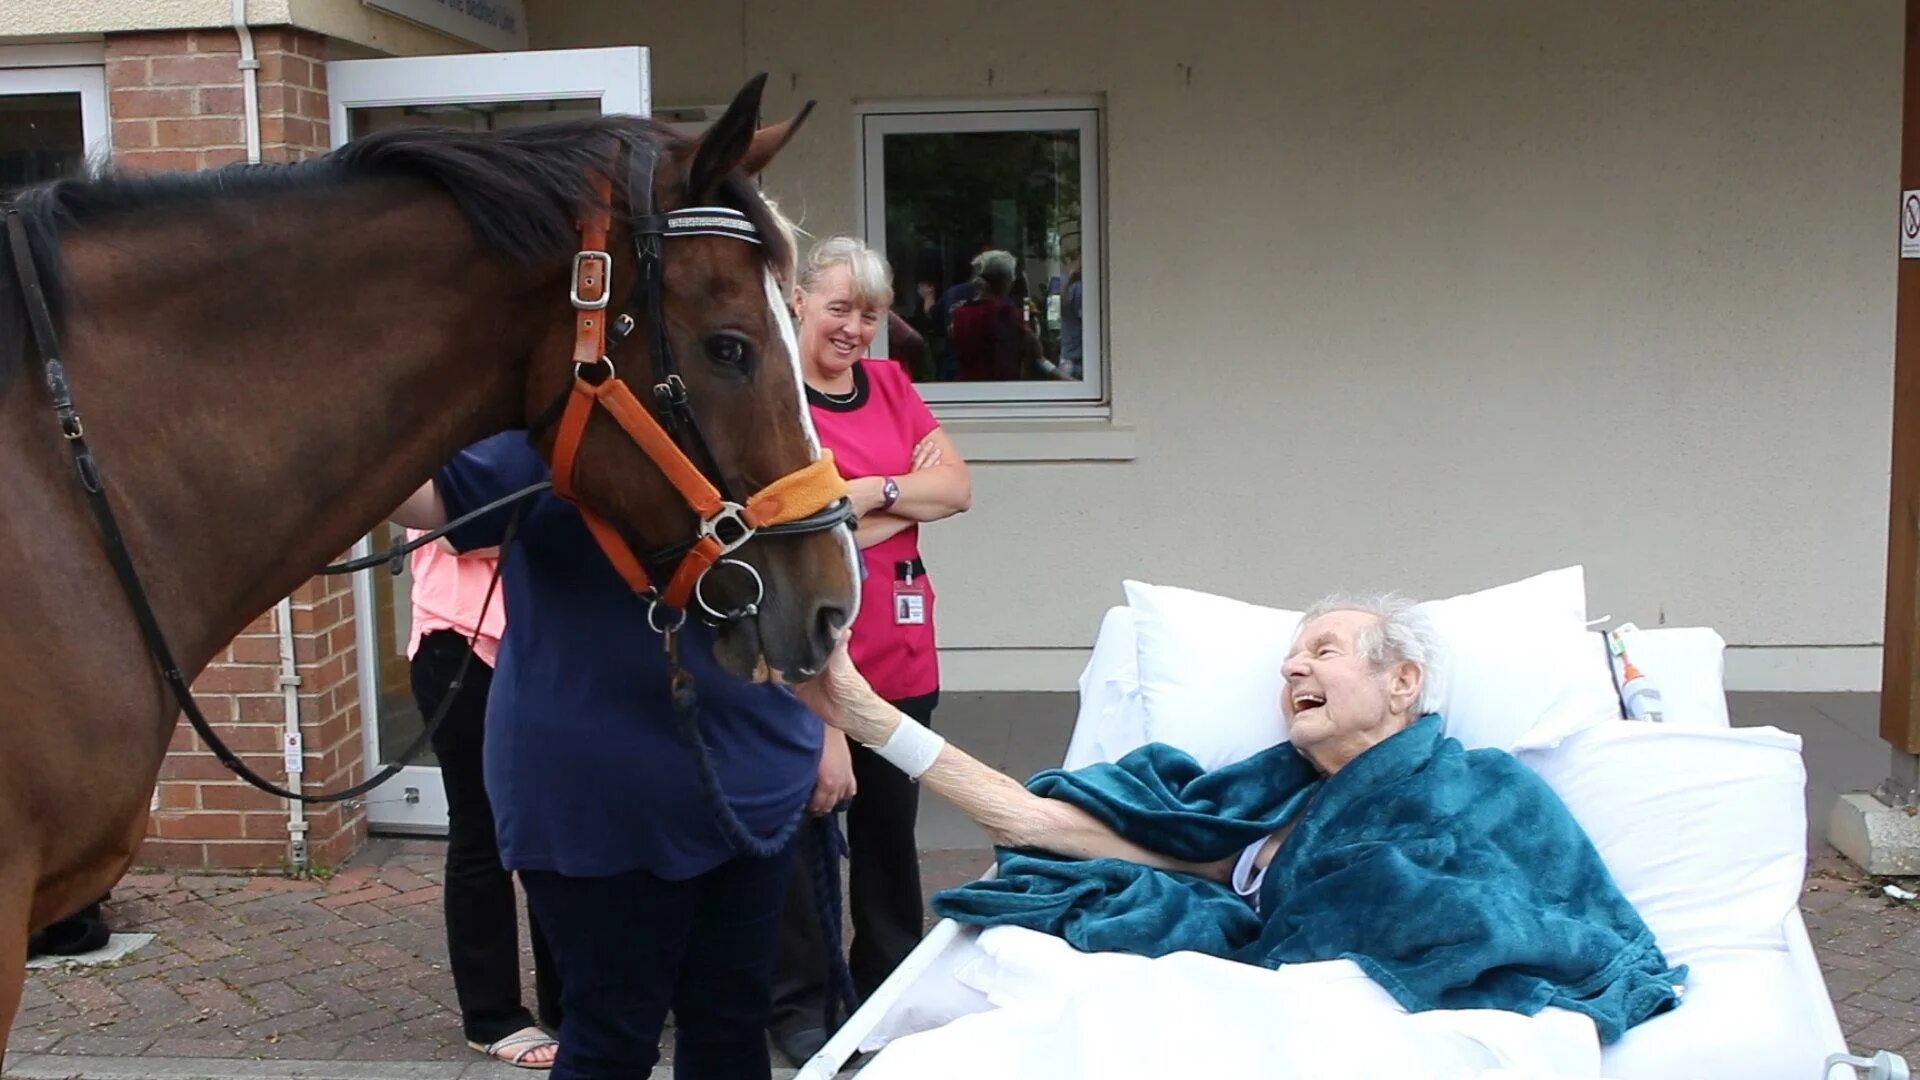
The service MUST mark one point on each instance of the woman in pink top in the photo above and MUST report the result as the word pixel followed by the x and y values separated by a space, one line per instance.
pixel 901 471
pixel 449 592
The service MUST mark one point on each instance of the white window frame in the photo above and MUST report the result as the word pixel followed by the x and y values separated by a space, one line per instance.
pixel 25 72
pixel 875 120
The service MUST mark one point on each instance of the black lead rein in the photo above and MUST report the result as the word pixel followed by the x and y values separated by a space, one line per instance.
pixel 93 482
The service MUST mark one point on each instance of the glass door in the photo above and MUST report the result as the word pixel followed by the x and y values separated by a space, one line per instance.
pixel 486 92
pixel 53 122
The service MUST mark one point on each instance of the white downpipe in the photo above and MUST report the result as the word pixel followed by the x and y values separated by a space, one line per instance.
pixel 298 852
pixel 293 746
pixel 250 79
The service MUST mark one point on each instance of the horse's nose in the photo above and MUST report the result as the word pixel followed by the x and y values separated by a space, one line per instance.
pixel 828 621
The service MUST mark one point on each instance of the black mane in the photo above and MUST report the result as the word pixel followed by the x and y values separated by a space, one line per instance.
pixel 521 190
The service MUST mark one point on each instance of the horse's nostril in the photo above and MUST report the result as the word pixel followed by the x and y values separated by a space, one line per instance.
pixel 828 621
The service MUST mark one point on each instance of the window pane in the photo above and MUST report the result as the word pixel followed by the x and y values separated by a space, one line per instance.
pixel 469 116
pixel 40 138
pixel 983 230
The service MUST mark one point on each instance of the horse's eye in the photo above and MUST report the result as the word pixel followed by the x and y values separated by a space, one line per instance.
pixel 728 350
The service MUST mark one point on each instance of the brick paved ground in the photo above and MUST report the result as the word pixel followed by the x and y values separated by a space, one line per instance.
pixel 355 968
pixel 351 969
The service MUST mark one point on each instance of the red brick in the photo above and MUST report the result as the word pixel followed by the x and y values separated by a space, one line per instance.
pixel 199 825
pixel 200 132
pixel 273 710
pixel 262 623
pixel 139 103
pixel 256 650
pixel 245 854
pixel 238 679
pixel 159 160
pixel 236 796
pixel 188 70
pixel 265 826
pixel 277 66
pixel 171 853
pixel 313 105
pixel 183 739
pixel 126 73
pixel 215 41
pixel 151 43
pixel 219 101
pixel 132 134
pixel 247 739
pixel 208 767
pixel 179 796
pixel 222 155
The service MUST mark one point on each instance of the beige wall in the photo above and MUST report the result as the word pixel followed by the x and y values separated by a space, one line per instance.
pixel 361 30
pixel 1429 297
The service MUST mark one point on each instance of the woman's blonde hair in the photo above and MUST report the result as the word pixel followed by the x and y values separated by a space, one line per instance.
pixel 872 277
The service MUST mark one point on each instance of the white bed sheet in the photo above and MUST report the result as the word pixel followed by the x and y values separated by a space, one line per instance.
pixel 1757 1012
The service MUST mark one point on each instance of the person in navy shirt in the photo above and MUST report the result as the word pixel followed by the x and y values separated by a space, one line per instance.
pixel 597 801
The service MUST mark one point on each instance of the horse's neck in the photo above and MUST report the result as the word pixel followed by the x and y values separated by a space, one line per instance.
pixel 263 390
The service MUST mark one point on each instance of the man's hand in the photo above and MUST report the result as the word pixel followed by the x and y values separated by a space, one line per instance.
pixel 845 700
pixel 835 783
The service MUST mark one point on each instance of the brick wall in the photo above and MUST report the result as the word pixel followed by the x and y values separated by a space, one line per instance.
pixel 175 100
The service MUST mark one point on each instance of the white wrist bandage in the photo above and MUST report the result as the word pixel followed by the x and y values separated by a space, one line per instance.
pixel 911 748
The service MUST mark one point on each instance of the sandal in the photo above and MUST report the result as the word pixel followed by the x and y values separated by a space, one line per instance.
pixel 514 1048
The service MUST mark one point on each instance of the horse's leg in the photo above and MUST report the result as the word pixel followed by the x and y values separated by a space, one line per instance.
pixel 15 900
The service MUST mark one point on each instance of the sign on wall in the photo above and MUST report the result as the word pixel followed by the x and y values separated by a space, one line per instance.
pixel 493 24
pixel 1910 224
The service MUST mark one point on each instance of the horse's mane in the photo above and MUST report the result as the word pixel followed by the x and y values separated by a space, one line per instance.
pixel 521 190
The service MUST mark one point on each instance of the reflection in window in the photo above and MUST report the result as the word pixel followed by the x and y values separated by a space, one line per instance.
pixel 986 217
pixel 40 138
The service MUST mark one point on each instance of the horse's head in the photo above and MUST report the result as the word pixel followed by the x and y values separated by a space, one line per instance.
pixel 696 328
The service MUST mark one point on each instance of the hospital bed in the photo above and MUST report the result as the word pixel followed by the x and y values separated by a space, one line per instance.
pixel 1703 826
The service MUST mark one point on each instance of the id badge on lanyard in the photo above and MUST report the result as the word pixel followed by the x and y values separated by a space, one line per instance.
pixel 909 596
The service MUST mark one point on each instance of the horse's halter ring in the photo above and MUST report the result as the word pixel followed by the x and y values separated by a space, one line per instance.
pixel 810 499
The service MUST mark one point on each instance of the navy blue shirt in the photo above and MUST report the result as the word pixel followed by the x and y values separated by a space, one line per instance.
pixel 587 776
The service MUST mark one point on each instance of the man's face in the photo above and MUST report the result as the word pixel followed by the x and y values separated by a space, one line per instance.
pixel 1334 696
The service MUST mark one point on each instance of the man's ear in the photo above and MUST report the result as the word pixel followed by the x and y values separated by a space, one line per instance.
pixel 1406 684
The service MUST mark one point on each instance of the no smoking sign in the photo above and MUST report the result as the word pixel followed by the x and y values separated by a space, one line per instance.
pixel 1910 225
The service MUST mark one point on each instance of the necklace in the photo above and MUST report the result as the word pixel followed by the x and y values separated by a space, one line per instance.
pixel 841 399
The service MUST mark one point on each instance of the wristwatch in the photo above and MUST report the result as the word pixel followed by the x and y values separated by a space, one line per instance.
pixel 889 493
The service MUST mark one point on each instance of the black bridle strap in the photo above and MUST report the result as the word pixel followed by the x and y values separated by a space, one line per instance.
pixel 394 558
pixel 113 541
pixel 670 390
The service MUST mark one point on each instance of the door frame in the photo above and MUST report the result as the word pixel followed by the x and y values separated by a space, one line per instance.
pixel 619 79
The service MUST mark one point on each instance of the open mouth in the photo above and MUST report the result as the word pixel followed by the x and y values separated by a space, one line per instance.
pixel 1304 701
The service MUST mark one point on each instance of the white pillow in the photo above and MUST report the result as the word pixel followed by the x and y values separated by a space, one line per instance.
pixel 1746 1013
pixel 1518 667
pixel 1112 721
pixel 1704 829
pixel 1210 671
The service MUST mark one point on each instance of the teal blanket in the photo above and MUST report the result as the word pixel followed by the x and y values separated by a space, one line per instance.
pixel 1456 879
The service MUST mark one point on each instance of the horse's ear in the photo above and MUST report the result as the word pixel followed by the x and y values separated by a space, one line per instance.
pixel 768 141
pixel 724 144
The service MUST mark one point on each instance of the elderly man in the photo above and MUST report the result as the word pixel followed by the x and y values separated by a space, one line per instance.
pixel 1455 878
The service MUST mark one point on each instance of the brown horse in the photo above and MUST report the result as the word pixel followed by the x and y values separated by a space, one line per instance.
pixel 269 359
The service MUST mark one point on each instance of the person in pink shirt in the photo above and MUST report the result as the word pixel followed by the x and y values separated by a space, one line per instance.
pixel 902 471
pixel 449 592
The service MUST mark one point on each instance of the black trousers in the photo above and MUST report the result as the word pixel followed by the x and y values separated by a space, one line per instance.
pixel 883 890
pixel 634 946
pixel 483 942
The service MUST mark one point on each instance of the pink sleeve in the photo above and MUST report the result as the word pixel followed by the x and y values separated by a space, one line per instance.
pixel 913 409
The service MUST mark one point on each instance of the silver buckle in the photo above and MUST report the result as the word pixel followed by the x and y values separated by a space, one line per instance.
pixel 606 280
pixel 732 516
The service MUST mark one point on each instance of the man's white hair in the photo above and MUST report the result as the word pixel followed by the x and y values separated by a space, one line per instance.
pixel 1400 632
